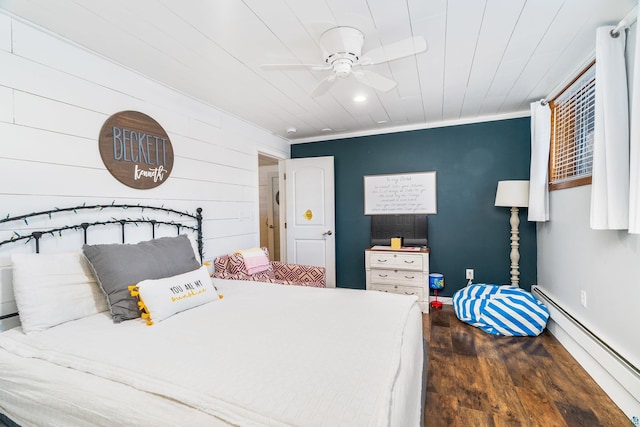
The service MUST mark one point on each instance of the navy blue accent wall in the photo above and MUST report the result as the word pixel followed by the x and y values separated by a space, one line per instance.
pixel 468 231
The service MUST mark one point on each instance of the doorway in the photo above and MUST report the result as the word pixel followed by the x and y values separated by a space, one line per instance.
pixel 269 196
pixel 309 207
pixel 302 190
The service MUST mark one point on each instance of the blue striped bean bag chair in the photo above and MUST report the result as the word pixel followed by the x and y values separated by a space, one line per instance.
pixel 501 310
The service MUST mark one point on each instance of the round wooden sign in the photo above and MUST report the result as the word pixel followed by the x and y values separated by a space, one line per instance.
pixel 136 150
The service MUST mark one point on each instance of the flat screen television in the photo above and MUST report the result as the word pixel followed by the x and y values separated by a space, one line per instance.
pixel 412 229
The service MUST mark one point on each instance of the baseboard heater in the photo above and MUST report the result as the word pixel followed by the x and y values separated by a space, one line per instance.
pixel 617 376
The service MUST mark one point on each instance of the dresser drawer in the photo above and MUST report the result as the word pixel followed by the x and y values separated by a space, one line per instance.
pixel 399 289
pixel 403 272
pixel 400 277
pixel 401 261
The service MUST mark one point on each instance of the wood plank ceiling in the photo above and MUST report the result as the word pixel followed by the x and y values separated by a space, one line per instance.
pixel 485 58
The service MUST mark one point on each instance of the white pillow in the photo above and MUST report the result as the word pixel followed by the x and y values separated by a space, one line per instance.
pixel 165 297
pixel 51 289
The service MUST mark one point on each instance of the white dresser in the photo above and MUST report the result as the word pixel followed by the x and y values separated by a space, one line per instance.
pixel 400 272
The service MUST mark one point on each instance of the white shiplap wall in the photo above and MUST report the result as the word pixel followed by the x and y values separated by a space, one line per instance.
pixel 54 98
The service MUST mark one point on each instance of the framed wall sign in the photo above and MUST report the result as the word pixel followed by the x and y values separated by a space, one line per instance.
pixel 136 150
pixel 411 193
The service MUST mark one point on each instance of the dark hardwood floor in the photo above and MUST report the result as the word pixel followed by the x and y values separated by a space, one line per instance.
pixel 476 379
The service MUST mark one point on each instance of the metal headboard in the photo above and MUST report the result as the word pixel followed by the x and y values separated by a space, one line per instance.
pixel 84 226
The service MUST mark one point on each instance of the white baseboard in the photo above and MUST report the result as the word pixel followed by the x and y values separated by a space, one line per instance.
pixel 620 380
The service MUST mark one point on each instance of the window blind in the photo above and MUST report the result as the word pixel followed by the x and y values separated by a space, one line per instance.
pixel 573 116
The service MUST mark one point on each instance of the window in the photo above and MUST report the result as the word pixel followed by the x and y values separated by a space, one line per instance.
pixel 572 123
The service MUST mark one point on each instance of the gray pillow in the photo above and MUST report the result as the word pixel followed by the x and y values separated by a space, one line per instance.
pixel 117 266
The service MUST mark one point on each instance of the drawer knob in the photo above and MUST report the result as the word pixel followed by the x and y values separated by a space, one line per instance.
pixel 409 261
pixel 382 260
pixel 383 275
pixel 409 277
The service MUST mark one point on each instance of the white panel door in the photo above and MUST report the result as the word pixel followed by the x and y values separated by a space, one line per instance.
pixel 310 213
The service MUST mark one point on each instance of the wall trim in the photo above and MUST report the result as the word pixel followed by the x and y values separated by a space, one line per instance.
pixel 419 126
pixel 273 153
pixel 620 380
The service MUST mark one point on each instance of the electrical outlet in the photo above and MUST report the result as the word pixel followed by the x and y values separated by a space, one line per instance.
pixel 583 298
pixel 469 273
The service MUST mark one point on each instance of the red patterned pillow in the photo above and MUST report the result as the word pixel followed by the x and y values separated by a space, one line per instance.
pixel 220 264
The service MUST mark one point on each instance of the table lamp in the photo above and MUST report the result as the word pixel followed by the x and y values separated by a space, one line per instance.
pixel 436 282
pixel 514 195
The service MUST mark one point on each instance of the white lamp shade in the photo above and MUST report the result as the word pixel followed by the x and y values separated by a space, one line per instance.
pixel 512 194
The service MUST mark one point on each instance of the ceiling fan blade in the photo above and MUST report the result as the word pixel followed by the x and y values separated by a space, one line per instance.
pixel 375 80
pixel 392 51
pixel 323 86
pixel 313 67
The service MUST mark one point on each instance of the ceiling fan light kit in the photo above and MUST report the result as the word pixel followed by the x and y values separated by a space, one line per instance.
pixel 342 47
pixel 342 50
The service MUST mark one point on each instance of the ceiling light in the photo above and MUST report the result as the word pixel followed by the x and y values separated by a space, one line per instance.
pixel 359 98
pixel 326 129
pixel 381 122
pixel 291 131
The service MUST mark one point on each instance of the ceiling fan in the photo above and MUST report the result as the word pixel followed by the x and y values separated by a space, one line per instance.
pixel 342 50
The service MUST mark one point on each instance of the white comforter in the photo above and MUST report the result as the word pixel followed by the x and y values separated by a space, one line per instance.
pixel 264 355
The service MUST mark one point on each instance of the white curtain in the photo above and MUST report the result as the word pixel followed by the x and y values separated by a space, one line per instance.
pixel 610 176
pixel 539 172
pixel 634 171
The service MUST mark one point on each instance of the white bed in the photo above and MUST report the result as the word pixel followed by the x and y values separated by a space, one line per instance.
pixel 262 355
pixel 275 355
